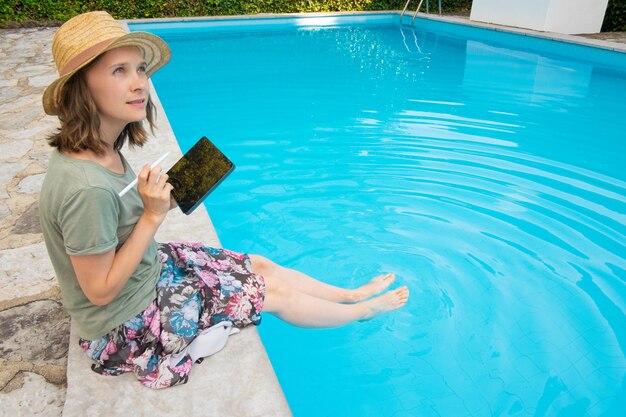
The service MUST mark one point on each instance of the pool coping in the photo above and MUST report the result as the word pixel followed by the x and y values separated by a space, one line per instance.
pixel 574 39
pixel 461 20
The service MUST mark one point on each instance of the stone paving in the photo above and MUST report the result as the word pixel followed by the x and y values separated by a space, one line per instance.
pixel 616 37
pixel 34 329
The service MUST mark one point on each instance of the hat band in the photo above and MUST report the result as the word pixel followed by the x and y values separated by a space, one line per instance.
pixel 90 52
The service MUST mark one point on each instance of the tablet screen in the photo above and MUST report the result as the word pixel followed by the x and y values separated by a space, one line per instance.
pixel 197 173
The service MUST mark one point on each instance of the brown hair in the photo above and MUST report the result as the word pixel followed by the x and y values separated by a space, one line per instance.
pixel 80 121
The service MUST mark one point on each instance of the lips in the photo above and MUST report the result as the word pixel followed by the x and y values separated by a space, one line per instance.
pixel 138 102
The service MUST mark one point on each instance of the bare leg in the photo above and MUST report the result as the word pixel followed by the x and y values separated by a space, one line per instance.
pixel 305 310
pixel 304 283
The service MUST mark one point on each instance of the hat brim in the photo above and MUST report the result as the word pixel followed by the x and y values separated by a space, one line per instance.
pixel 155 52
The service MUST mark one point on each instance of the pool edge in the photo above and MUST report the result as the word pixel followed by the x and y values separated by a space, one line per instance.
pixel 465 21
pixel 199 227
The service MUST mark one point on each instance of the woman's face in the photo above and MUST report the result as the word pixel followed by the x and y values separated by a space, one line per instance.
pixel 119 87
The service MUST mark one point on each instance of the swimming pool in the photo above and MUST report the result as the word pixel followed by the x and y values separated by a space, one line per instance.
pixel 484 168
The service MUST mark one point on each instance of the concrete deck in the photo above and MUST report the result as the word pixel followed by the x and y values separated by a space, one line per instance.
pixel 35 378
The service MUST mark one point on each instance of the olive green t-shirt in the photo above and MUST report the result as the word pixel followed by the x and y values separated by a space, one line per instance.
pixel 82 214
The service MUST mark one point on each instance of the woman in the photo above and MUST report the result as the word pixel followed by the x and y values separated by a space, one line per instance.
pixel 141 306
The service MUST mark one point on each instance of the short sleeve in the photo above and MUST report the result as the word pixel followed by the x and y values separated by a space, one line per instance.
pixel 89 221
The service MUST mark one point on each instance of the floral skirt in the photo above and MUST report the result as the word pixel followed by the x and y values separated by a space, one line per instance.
pixel 199 286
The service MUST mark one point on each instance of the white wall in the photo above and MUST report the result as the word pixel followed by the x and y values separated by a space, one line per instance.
pixel 575 16
pixel 529 14
pixel 561 16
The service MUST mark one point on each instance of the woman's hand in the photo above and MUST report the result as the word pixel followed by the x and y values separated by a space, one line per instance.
pixel 155 193
pixel 173 203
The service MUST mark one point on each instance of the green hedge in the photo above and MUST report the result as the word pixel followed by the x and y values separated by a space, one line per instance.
pixel 56 11
pixel 615 17
pixel 47 11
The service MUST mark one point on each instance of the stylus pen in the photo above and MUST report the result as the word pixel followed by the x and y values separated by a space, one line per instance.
pixel 134 182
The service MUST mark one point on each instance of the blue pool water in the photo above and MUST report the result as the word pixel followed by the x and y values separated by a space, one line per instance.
pixel 485 169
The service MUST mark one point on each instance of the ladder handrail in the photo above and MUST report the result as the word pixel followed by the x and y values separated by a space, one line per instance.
pixel 417 10
pixel 404 10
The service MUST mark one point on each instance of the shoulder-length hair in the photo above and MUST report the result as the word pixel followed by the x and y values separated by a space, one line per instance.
pixel 80 121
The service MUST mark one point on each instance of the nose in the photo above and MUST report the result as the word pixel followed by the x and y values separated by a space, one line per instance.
pixel 140 81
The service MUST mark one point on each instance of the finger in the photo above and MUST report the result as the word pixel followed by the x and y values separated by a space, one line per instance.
pixel 166 192
pixel 155 174
pixel 142 178
pixel 173 202
pixel 163 178
pixel 156 170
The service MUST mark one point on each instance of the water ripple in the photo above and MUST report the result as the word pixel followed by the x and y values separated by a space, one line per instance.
pixel 489 179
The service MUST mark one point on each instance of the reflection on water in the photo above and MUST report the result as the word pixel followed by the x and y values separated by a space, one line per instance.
pixel 489 179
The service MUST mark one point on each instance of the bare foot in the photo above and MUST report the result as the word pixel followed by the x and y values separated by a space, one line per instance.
pixel 389 301
pixel 375 286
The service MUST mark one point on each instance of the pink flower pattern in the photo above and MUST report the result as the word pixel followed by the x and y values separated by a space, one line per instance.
pixel 227 289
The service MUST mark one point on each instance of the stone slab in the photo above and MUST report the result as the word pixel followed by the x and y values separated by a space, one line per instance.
pixel 15 149
pixel 28 221
pixel 21 118
pixel 8 83
pixel 31 102
pixel 36 397
pixel 41 80
pixel 35 133
pixel 34 332
pixel 7 172
pixel 31 184
pixel 225 384
pixel 4 210
pixel 25 271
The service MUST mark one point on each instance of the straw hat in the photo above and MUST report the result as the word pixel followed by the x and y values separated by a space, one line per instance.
pixel 87 36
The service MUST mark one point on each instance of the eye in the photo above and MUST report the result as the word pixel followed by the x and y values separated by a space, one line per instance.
pixel 118 70
pixel 142 68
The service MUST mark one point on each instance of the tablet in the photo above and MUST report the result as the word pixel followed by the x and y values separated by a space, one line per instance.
pixel 197 173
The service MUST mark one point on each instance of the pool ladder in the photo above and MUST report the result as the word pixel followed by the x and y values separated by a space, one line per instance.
pixel 417 10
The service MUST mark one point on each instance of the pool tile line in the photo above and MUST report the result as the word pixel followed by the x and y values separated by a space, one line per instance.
pixel 584 40
pixel 574 39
